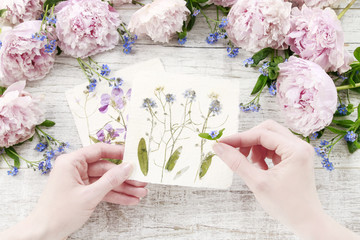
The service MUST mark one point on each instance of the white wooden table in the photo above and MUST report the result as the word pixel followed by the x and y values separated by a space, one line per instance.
pixel 170 212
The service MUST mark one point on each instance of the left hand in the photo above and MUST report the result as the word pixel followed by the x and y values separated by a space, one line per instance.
pixel 78 183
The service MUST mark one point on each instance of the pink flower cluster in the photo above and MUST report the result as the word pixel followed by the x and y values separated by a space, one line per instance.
pixel 19 11
pixel 257 24
pixel 159 20
pixel 306 94
pixel 86 27
pixel 23 57
pixel 19 114
pixel 317 35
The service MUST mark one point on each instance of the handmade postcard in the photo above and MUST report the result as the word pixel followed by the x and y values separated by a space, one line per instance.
pixel 174 121
pixel 101 115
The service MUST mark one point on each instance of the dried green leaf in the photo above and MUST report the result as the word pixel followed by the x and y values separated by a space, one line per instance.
pixel 94 139
pixel 143 157
pixel 173 159
pixel 181 172
pixel 206 164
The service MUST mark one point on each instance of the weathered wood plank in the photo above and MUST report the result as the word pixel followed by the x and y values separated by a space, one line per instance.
pixel 171 212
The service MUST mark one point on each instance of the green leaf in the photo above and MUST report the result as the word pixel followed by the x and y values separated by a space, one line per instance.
pixel 357 53
pixel 11 152
pixel 143 157
pixel 173 159
pixel 344 123
pixel 191 23
pixel 95 140
pixel 200 1
pixel 273 73
pixel 358 111
pixel 2 90
pixel 335 130
pixel 116 161
pixel 59 51
pixel 278 60
pixel 353 146
pixel 47 123
pixel 206 163
pixel 261 55
pixel 182 35
pixel 181 172
pixel 50 3
pixel 259 84
pixel 2 12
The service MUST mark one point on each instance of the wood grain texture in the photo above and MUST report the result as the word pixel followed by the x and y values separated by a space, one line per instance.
pixel 175 212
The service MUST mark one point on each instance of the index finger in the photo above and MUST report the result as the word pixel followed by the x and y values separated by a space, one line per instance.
pixel 256 136
pixel 95 152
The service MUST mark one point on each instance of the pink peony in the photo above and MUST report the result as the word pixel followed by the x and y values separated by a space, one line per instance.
pixel 224 3
pixel 19 11
pixel 306 94
pixel 22 57
pixel 159 20
pixel 86 27
pixel 257 24
pixel 315 3
pixel 117 3
pixel 19 114
pixel 316 35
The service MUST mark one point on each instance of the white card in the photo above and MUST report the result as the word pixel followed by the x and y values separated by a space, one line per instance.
pixel 102 115
pixel 167 114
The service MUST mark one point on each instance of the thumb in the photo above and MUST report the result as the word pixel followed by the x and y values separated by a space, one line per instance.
pixel 111 179
pixel 236 161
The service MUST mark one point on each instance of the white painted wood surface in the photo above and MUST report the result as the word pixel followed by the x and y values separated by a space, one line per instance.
pixel 175 212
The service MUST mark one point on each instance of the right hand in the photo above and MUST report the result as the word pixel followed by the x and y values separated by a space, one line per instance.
pixel 286 191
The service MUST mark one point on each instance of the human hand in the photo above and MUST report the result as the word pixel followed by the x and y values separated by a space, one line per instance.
pixel 286 191
pixel 78 183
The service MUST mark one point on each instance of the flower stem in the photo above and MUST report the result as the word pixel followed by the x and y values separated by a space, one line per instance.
pixel 347 87
pixel 345 9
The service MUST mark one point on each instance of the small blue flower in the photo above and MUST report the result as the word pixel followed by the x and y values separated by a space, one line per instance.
pixel 92 86
pixel 213 134
pixel 50 154
pixel 272 89
pixel 51 47
pixel 342 109
pixel 40 147
pixel 251 107
pixel 190 94
pixel 224 22
pixel 263 70
pixel 105 70
pixel 215 106
pixel 314 136
pixel 351 136
pixel 221 35
pixel 232 52
pixel 127 50
pixel 182 41
pixel 327 164
pixel 247 62
pixel 13 172
pixel 170 98
pixel 38 36
pixel 0 44
pixel 149 103
pixel 196 12
pixel 324 143
pixel 254 107
pixel 212 38
pixel 51 20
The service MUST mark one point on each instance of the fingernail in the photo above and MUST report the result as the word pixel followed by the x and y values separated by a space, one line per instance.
pixel 218 148
pixel 127 168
